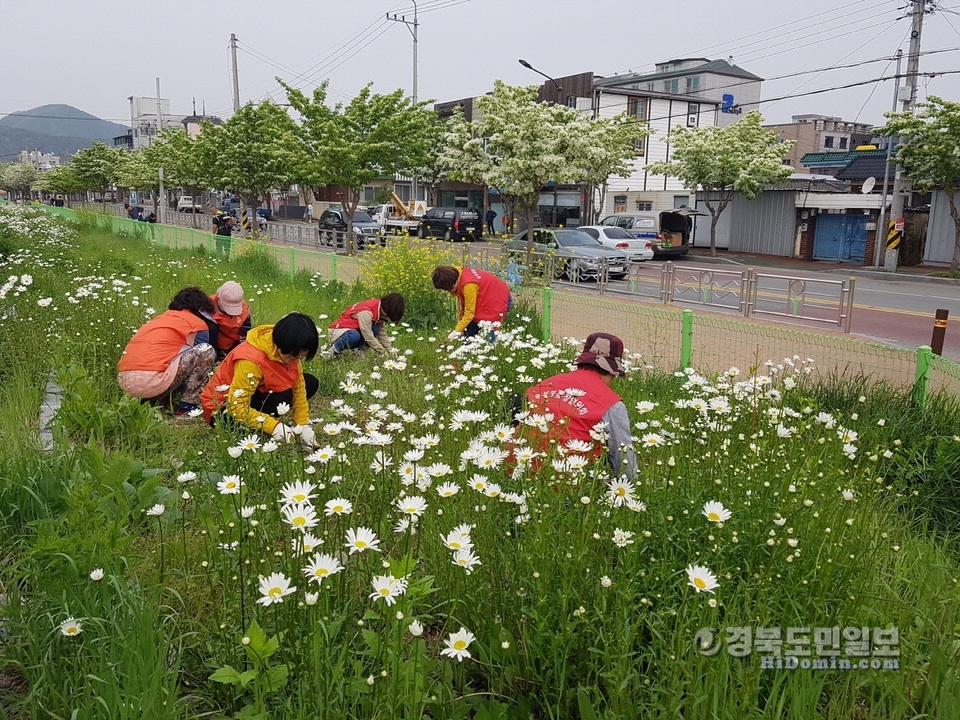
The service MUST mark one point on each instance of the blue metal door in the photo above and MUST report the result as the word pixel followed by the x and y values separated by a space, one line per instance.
pixel 840 238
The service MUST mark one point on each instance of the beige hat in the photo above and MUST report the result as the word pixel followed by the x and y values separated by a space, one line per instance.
pixel 230 297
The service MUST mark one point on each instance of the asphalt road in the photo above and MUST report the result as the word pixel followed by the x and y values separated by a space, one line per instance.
pixel 898 312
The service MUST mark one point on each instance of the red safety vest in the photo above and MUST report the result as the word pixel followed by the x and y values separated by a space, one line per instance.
pixel 349 318
pixel 578 401
pixel 229 325
pixel 160 340
pixel 493 294
pixel 277 376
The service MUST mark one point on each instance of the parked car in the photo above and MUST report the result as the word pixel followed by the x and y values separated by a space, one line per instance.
pixel 451 224
pixel 332 228
pixel 668 231
pixel 186 203
pixel 637 249
pixel 575 252
pixel 238 216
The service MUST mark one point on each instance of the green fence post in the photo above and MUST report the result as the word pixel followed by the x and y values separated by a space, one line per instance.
pixel 921 382
pixel 333 266
pixel 547 313
pixel 686 340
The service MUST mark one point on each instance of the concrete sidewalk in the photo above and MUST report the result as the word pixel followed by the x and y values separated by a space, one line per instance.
pixel 920 273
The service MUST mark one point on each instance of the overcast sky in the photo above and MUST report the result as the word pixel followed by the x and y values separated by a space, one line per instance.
pixel 93 54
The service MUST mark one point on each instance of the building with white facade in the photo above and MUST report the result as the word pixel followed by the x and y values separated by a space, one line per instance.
pixel 40 160
pixel 144 123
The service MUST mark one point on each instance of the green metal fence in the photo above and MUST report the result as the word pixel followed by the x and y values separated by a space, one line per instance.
pixel 665 336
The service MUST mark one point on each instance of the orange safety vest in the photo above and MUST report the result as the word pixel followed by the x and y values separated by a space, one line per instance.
pixel 493 294
pixel 228 325
pixel 577 400
pixel 349 318
pixel 277 376
pixel 158 341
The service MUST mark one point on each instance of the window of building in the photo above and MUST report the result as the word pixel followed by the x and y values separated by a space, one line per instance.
pixel 619 203
pixel 572 101
pixel 828 141
pixel 693 85
pixel 402 191
pixel 843 143
pixel 693 112
pixel 637 108
pixel 642 206
pixel 671 86
pixel 368 195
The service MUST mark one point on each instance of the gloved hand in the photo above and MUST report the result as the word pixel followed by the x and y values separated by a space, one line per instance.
pixel 282 433
pixel 307 436
pixel 455 335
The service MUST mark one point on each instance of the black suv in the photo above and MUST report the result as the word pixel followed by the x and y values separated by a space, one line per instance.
pixel 332 228
pixel 451 224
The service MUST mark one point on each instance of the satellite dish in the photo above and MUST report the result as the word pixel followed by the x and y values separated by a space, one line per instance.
pixel 868 185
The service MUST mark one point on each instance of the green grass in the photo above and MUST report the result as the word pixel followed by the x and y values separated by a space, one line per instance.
pixel 567 624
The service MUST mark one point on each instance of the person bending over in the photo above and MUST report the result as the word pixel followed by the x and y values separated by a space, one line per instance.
pixel 263 372
pixel 362 325
pixel 171 354
pixel 583 398
pixel 481 296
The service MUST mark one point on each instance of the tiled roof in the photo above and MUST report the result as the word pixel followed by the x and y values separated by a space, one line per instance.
pixel 864 167
pixel 838 158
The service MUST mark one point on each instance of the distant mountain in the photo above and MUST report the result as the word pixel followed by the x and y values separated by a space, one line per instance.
pixel 59 129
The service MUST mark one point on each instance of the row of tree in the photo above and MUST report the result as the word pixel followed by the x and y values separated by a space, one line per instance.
pixel 515 145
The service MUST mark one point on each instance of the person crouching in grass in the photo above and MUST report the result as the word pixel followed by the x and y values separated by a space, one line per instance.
pixel 362 325
pixel 264 372
pixel 171 354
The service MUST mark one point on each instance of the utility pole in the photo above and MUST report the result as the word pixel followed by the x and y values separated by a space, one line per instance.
pixel 880 235
pixel 908 98
pixel 236 81
pixel 412 27
pixel 159 114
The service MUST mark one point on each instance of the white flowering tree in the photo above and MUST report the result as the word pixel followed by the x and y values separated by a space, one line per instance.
pixel 723 161
pixel 518 145
pixel 17 178
pixel 928 153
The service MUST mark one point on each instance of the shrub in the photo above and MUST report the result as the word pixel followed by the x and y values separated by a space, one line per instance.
pixel 404 266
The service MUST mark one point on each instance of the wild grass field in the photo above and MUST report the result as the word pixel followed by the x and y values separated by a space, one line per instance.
pixel 788 549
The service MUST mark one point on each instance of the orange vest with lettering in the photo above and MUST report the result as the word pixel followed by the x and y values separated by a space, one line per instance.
pixel 577 400
pixel 160 340
pixel 228 325
pixel 493 294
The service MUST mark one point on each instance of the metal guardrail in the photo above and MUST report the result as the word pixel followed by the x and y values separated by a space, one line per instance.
pixel 752 293
pixel 814 299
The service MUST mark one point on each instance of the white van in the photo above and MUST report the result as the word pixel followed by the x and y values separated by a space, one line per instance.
pixel 668 232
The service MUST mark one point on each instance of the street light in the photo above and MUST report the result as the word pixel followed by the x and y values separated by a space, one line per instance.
pixel 528 66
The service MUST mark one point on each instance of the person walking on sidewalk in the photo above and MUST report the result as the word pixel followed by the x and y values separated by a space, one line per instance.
pixel 490 217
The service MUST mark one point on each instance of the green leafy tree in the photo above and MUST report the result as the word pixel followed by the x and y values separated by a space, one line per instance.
pixel 518 145
pixel 252 153
pixel 610 147
pixel 722 161
pixel 98 167
pixel 18 178
pixel 928 153
pixel 60 180
pixel 371 136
